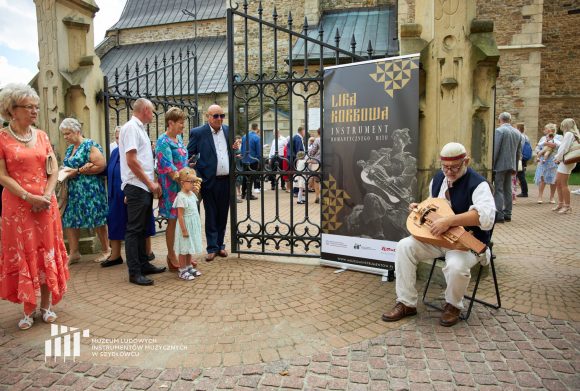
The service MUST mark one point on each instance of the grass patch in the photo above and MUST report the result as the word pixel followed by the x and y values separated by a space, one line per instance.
pixel 574 177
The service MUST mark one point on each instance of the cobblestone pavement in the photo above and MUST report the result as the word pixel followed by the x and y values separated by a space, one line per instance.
pixel 253 324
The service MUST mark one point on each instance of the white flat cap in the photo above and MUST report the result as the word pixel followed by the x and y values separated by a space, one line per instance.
pixel 453 151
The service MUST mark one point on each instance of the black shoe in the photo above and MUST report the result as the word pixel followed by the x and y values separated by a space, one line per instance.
pixel 112 262
pixel 151 256
pixel 251 197
pixel 151 269
pixel 522 195
pixel 507 219
pixel 140 279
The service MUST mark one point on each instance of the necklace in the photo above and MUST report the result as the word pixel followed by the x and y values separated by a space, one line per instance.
pixel 24 140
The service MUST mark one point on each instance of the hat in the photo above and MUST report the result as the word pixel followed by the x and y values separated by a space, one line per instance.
pixel 453 151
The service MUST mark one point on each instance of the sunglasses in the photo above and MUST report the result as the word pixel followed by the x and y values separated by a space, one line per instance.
pixel 216 116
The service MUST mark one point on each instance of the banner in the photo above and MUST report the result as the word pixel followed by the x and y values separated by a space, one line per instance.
pixel 370 150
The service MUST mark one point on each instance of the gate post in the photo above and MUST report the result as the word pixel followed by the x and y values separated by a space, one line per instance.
pixel 459 58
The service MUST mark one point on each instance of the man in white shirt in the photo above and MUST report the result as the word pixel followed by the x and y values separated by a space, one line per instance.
pixel 471 200
pixel 139 186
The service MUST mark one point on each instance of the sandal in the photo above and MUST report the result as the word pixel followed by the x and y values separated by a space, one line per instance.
pixel 48 316
pixel 74 258
pixel 565 209
pixel 26 322
pixel 193 272
pixel 186 275
pixel 557 208
pixel 102 257
pixel 171 266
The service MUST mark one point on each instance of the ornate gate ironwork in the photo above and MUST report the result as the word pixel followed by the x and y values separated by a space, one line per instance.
pixel 170 81
pixel 276 70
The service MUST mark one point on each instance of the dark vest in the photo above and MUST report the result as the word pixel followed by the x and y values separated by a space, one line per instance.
pixel 460 195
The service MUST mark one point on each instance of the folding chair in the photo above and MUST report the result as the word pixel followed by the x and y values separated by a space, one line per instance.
pixel 471 298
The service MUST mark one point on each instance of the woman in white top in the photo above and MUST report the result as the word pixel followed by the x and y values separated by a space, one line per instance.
pixel 571 134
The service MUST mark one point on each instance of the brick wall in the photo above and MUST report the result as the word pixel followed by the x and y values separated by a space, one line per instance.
pixel 205 28
pixel 560 76
pixel 341 4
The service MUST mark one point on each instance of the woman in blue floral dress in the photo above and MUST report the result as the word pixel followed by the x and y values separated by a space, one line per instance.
pixel 171 157
pixel 87 195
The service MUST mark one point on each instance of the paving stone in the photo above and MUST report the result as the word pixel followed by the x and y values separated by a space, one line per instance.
pixel 46 380
pixel 170 375
pixel 12 378
pixel 463 379
pixel 359 377
pixel 104 383
pixel 528 379
pixel 339 372
pixel 227 382
pixel 292 382
pixel 257 369
pixel 97 370
pixel 249 381
pixel 130 374
pixel 82 384
pixel 114 372
pixel 151 373
pixel 82 367
pixel 554 385
pixel 141 384
pixel 337 384
pixel 190 374
pixel 68 380
pixel 65 367
pixel 378 374
pixel 440 376
pixel 271 380
pixel 562 366
pixel 484 379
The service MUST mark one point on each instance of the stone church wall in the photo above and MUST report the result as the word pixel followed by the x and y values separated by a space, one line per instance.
pixel 560 76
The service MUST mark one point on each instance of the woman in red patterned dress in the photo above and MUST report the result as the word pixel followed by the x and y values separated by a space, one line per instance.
pixel 34 258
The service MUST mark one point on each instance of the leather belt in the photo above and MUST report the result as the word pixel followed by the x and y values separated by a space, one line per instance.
pixel 222 176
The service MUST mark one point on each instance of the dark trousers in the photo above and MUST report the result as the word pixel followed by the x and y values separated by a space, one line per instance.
pixel 275 165
pixel 249 180
pixel 216 202
pixel 521 176
pixel 139 209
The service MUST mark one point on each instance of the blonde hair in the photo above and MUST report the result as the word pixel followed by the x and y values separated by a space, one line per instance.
pixel 174 114
pixel 186 173
pixel 11 95
pixel 552 127
pixel 569 125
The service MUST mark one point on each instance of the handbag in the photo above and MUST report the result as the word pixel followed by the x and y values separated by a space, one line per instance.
pixel 49 165
pixel 61 188
pixel 573 154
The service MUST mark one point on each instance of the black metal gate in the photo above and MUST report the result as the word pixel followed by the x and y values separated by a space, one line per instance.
pixel 169 81
pixel 277 72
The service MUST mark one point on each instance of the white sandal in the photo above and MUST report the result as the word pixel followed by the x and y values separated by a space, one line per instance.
pixel 26 322
pixel 194 272
pixel 48 316
pixel 186 275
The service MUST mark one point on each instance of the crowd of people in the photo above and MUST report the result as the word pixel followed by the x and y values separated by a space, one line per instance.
pixel 34 265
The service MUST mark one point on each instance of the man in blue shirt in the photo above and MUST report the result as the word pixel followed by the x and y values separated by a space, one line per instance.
pixel 251 158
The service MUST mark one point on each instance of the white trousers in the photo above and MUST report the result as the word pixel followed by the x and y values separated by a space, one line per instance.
pixel 457 270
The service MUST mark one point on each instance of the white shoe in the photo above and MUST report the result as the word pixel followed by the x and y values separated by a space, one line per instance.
pixel 577 192
pixel 256 190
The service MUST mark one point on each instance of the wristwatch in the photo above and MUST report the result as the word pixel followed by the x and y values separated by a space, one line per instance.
pixel 24 196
